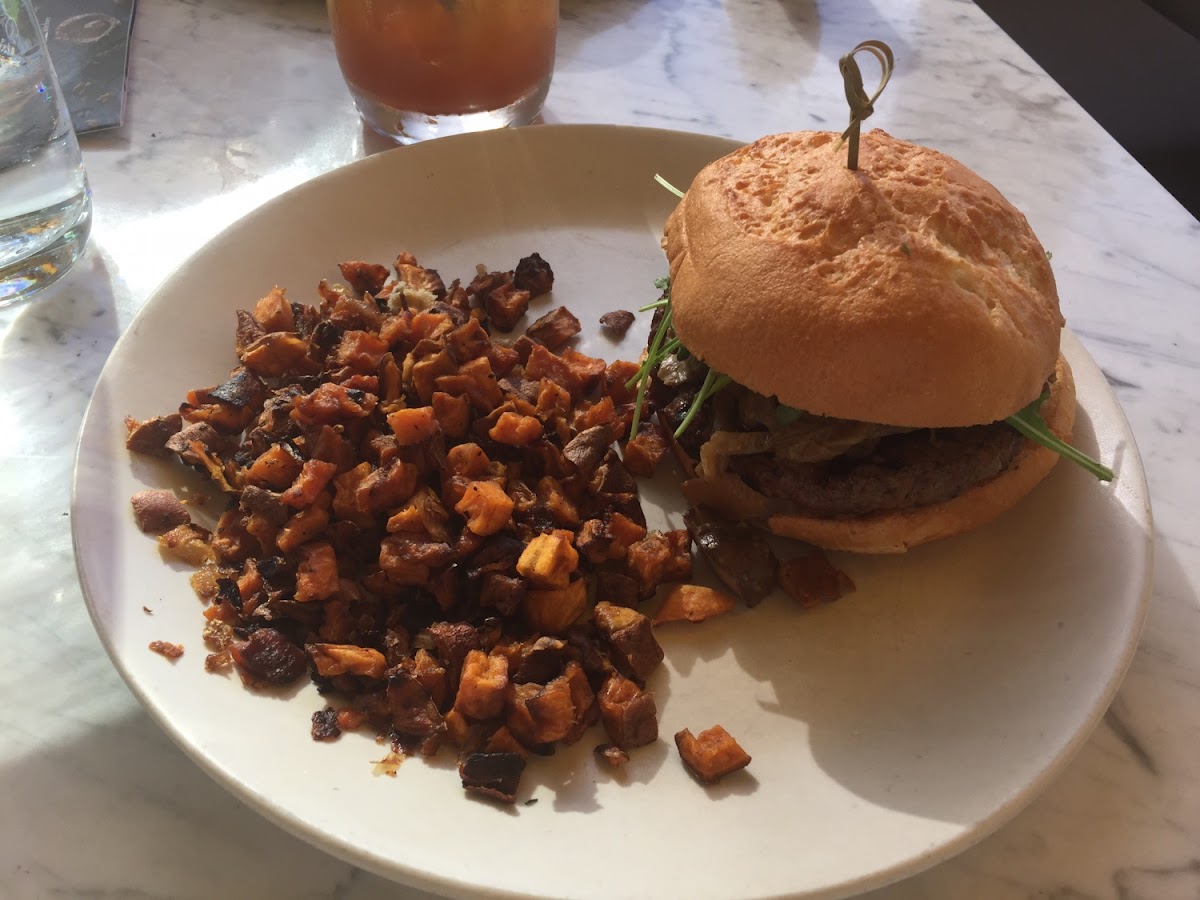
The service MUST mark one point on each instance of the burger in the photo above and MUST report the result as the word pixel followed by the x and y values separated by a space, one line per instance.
pixel 866 359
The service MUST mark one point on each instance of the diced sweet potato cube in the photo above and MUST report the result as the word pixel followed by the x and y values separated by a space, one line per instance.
pixel 477 379
pixel 712 754
pixel 314 475
pixel 552 711
pixel 158 511
pixel 548 560
pixel 555 328
pixel 397 330
pixel 425 373
pixel 544 364
pixel 554 611
pixel 813 580
pixel 468 459
pixel 629 715
pixel 431 325
pixel 468 341
pixel 486 507
pixel 515 430
pixel 364 277
pixel 644 452
pixel 461 732
pixel 660 557
pixel 634 648
pixel 625 533
pixel 386 487
pixel 361 351
pixel 502 741
pixel 503 359
pixel 432 675
pixel 481 685
pixel 347 659
pixel 452 413
pixel 692 603
pixel 302 528
pixel 316 572
pixel 588 370
pixel 617 377
pixel 345 495
pixel 517 717
pixel 602 412
pixel 390 379
pixel 276 468
pixel 424 512
pixel 187 542
pixel 587 712
pixel 276 354
pixel 333 404
pixel 413 426
pixel 505 305
pixel 274 313
pixel 552 400
pixel 331 447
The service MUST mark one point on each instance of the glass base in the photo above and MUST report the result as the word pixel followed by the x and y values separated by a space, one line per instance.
pixel 49 240
pixel 408 127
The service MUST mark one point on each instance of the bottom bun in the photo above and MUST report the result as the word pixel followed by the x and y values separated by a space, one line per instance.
pixel 895 532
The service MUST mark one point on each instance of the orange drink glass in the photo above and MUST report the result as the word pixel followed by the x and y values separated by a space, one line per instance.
pixel 425 68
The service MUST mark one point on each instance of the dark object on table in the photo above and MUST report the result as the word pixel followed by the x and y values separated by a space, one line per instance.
pixel 89 44
pixel 1126 62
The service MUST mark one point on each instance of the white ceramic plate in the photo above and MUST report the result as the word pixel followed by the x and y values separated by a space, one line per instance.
pixel 888 730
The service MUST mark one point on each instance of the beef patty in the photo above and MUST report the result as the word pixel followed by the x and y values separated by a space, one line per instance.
pixel 916 468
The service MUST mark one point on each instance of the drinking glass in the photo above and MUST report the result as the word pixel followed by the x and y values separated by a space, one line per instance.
pixel 419 69
pixel 45 203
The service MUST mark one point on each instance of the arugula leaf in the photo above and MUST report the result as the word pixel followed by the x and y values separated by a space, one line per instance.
pixel 713 383
pixel 785 415
pixel 654 355
pixel 1030 423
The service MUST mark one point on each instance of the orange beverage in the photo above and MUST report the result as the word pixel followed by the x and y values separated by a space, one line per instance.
pixel 445 59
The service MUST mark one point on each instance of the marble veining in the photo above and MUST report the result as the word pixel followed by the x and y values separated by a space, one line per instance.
pixel 233 101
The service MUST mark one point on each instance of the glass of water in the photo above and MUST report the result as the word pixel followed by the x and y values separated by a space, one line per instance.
pixel 45 203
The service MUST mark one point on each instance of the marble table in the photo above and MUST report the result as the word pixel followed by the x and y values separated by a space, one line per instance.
pixel 233 101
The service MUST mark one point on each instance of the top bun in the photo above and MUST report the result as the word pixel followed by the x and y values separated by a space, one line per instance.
pixel 908 292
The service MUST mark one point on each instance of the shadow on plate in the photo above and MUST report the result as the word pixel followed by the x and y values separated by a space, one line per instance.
pixel 957 673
